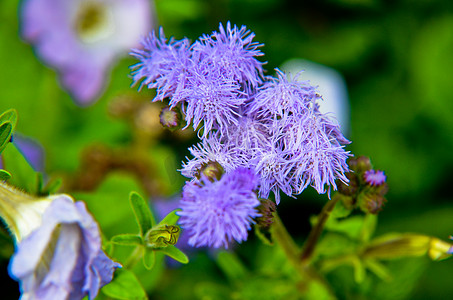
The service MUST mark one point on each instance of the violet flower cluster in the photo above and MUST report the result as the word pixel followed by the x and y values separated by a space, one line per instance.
pixel 218 212
pixel 270 125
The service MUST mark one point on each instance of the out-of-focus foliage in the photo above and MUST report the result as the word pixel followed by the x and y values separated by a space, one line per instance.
pixel 396 57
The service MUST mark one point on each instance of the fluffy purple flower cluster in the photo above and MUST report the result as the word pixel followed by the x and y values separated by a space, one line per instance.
pixel 269 124
pixel 209 79
pixel 218 212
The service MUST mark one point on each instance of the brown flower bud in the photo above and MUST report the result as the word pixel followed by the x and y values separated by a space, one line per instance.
pixel 266 209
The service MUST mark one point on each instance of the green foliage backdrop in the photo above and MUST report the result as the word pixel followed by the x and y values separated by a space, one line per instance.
pixel 396 57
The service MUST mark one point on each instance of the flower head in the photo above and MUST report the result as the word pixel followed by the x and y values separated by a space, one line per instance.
pixel 58 251
pixel 211 149
pixel 217 212
pixel 374 177
pixel 233 52
pixel 81 38
pixel 163 64
pixel 282 96
pixel 211 99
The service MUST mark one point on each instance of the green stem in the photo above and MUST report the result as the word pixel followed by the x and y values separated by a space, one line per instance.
pixel 315 233
pixel 282 237
pixel 134 257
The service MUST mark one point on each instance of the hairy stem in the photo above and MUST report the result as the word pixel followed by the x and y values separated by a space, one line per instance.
pixel 315 233
pixel 282 237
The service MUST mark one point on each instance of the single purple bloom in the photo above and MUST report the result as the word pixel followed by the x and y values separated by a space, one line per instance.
pixel 216 213
pixel 317 146
pixel 62 258
pixel 211 99
pixel 163 64
pixel 374 177
pixel 329 83
pixel 233 52
pixel 212 150
pixel 81 39
pixel 280 97
pixel 274 168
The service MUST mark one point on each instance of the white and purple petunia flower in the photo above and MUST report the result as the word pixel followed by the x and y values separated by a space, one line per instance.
pixel 375 177
pixel 82 38
pixel 62 257
pixel 217 212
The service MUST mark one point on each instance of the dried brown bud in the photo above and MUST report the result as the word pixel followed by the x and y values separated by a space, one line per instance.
pixel 266 209
pixel 351 188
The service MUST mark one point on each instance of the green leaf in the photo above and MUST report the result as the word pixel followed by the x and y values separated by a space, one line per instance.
pixel 23 175
pixel 51 187
pixel 340 211
pixel 124 286
pixel 149 259
pixel 170 219
pixel 175 253
pixel 351 226
pixel 368 227
pixel 6 130
pixel 9 116
pixel 379 269
pixel 4 175
pixel 8 121
pixel 142 212
pixel 127 239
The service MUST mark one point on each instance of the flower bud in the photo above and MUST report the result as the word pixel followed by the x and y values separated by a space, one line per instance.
pixel 212 170
pixel 162 236
pixel 394 246
pixel 266 209
pixel 170 118
pixel 371 203
pixel 360 164
pixel 351 188
pixel 374 177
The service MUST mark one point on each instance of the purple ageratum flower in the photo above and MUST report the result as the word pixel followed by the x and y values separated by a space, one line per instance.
pixel 233 52
pixel 374 177
pixel 212 150
pixel 210 99
pixel 274 168
pixel 317 145
pixel 216 213
pixel 279 97
pixel 163 64
pixel 62 258
pixel 81 38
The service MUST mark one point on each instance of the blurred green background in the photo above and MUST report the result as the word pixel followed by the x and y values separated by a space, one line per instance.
pixel 396 58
